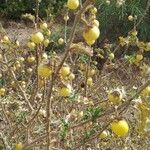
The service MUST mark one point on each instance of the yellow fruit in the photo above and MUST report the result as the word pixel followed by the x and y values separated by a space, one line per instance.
pixel 94 10
pixel 44 56
pixel 146 91
pixel 48 33
pixel 111 56
pixel 71 76
pixel 61 41
pixel 46 42
pixel 2 91
pixel 37 37
pixel 44 71
pixel 17 43
pixel 139 57
pixel 65 91
pixel 6 39
pixel 134 33
pixel 92 72
pixel 31 59
pixel 31 45
pixel 90 42
pixel 66 17
pixel 130 18
pixel 21 59
pixel 115 97
pixel 18 146
pixel 1 57
pixel 43 26
pixel 29 70
pixel 91 34
pixel 96 23
pixel 120 128
pixel 90 81
pixel 73 4
pixel 148 46
pixel 65 71
pixel 103 135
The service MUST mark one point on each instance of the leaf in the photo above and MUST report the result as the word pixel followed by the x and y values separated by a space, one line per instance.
pixel 81 48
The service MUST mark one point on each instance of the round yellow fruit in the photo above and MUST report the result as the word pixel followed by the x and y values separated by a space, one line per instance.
pixel 103 135
pixel 31 45
pixel 37 37
pixel 65 91
pixel 71 76
pixel 111 56
pixel 92 72
pixel 130 18
pixel 96 23
pixel 18 146
pixel 2 91
pixel 146 91
pixel 73 4
pixel 31 59
pixel 65 71
pixel 148 46
pixel 89 81
pixel 115 97
pixel 94 10
pixel 91 34
pixel 46 42
pixel 44 26
pixel 44 71
pixel 139 57
pixel 66 17
pixel 61 41
pixel 120 128
pixel 90 42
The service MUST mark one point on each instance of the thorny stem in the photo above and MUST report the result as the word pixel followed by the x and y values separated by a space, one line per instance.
pixel 54 76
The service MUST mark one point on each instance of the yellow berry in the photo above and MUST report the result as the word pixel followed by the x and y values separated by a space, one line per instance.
pixel 48 33
pixel 94 10
pixel 96 23
pixel 120 128
pixel 91 34
pixel 103 135
pixel 61 41
pixel 111 56
pixel 29 70
pixel 31 59
pixel 73 4
pixel 65 91
pixel 2 91
pixel 148 46
pixel 146 91
pixel 46 42
pixel 66 17
pixel 92 72
pixel 18 146
pixel 115 97
pixel 139 57
pixel 43 26
pixel 31 45
pixel 37 37
pixel 71 76
pixel 89 81
pixel 44 71
pixel 65 71
pixel 130 18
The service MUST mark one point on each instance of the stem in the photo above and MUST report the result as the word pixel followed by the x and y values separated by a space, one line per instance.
pixel 54 76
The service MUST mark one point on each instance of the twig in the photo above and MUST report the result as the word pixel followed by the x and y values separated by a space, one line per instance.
pixel 54 76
